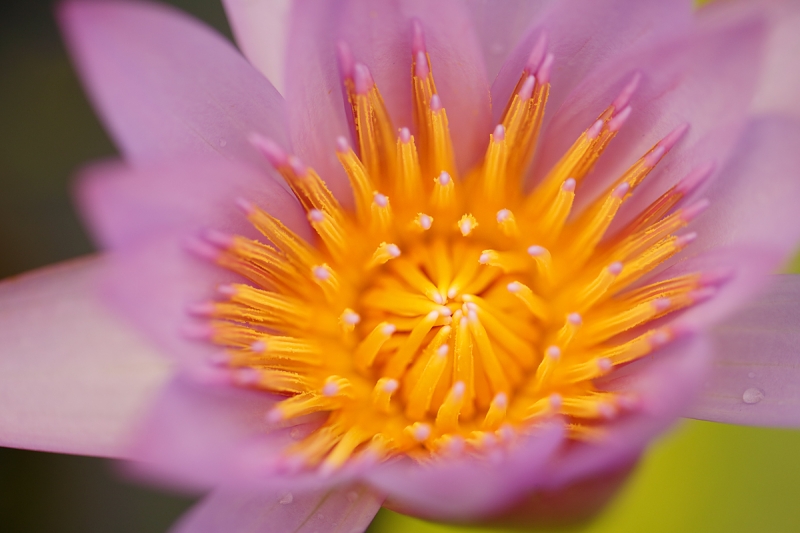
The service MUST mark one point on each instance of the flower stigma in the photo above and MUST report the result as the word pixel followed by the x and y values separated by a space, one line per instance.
pixel 448 310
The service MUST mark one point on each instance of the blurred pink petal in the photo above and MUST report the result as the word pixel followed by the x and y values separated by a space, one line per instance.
pixel 379 36
pixel 260 27
pixel 462 488
pixel 234 510
pixel 156 215
pixel 756 374
pixel 165 84
pixel 73 379
pixel 587 37
pixel 704 80
pixel 499 26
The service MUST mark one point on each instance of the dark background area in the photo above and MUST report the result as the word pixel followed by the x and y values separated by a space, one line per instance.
pixel 47 130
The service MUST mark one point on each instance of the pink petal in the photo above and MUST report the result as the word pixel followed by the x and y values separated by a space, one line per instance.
pixel 379 34
pixel 705 80
pixel 779 80
pixel 756 374
pixel 153 217
pixel 345 510
pixel 165 84
pixel 72 378
pixel 260 28
pixel 124 205
pixel 665 385
pixel 192 436
pixel 203 432
pixel 755 197
pixel 586 36
pixel 500 25
pixel 463 489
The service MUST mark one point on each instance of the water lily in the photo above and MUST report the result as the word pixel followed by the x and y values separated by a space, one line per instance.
pixel 400 284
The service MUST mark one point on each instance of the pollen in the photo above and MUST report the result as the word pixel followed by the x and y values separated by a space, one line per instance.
pixel 442 309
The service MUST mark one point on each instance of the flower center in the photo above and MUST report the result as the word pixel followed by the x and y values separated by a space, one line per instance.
pixel 445 311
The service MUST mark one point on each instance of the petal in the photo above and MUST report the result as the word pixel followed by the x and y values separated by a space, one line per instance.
pixel 260 28
pixel 124 205
pixel 756 375
pixel 72 378
pixel 153 216
pixel 755 197
pixel 345 510
pixel 779 79
pixel 500 25
pixel 379 34
pixel 463 489
pixel 165 84
pixel 194 430
pixel 704 80
pixel 585 36
pixel 203 432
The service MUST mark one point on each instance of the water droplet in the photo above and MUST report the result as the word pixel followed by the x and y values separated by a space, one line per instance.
pixel 286 499
pixel 223 142
pixel 752 396
pixel 352 496
pixel 751 375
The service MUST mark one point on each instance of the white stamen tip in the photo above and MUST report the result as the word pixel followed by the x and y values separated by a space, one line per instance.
pixel 259 346
pixel 659 338
pixel 452 293
pixel 443 350
pixel 390 385
pixel 604 364
pixel 503 215
pixel 556 401
pixel 425 221
pixel 594 131
pixel 321 273
pixel 274 416
pixel 393 250
pixel 621 190
pixel 553 352
pixel 569 185
pixel 615 268
pixel 574 319
pixel 444 178
pixel 514 286
pixel 421 432
pixel 443 311
pixel 381 200
pixel 536 251
pixel 500 400
pixel 438 298
pixel 484 258
pixel 405 135
pixel 661 304
pixel 606 410
pixel 459 388
pixel 351 317
pixel 388 329
pixel 499 133
pixel 315 215
pixel 436 103
pixel 330 389
pixel 342 145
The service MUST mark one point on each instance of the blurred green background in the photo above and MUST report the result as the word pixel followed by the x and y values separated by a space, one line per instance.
pixel 701 478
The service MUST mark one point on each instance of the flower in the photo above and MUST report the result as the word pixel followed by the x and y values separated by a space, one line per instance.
pixel 441 336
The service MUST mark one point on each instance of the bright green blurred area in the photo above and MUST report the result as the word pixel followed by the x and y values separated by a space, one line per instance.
pixel 703 477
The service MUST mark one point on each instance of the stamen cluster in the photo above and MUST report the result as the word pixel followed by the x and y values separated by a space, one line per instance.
pixel 446 311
